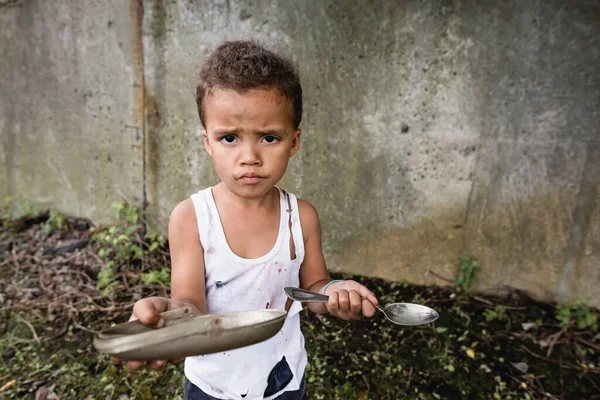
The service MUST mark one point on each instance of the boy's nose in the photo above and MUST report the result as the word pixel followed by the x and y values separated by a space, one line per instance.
pixel 249 155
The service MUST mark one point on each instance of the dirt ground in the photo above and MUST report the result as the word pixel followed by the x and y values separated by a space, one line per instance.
pixel 61 281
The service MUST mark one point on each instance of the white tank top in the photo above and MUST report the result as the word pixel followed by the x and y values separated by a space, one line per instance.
pixel 234 283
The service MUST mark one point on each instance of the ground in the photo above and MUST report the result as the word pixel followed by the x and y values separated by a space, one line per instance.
pixel 61 280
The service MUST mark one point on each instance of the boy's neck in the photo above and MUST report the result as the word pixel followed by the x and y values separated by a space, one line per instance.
pixel 221 192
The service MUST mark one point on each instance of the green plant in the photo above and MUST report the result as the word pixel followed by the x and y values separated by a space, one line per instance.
pixel 106 279
pixel 15 209
pixel 126 241
pixel 122 242
pixel 467 273
pixel 132 215
pixel 26 209
pixel 162 276
pixel 55 221
pixel 497 313
pixel 125 244
pixel 157 241
pixel 579 315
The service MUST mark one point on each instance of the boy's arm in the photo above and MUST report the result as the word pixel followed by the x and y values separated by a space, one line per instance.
pixel 187 275
pixel 347 299
pixel 187 259
pixel 313 272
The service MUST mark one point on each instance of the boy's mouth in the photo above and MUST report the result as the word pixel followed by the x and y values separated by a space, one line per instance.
pixel 250 177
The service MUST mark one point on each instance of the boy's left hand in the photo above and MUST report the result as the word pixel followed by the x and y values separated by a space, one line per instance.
pixel 349 300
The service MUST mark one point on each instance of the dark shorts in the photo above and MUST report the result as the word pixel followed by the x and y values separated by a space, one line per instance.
pixel 193 392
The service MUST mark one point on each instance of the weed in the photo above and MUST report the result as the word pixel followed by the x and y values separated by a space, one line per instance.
pixel 25 209
pixel 579 315
pixel 132 215
pixel 106 279
pixel 467 273
pixel 157 277
pixel 124 244
pixel 458 311
pixel 497 313
pixel 126 241
pixel 55 221
pixel 14 209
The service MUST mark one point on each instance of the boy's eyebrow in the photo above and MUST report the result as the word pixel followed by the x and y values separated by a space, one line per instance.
pixel 225 131
pixel 272 132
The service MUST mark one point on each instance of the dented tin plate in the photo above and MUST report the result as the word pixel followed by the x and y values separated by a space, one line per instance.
pixel 184 335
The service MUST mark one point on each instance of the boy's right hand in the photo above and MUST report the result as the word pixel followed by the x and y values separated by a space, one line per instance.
pixel 148 312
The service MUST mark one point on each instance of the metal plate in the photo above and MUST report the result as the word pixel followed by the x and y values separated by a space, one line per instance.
pixel 185 336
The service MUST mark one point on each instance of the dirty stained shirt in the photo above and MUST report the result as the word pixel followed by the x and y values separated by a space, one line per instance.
pixel 234 283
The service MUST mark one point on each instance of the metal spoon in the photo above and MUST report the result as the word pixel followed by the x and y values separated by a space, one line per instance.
pixel 407 314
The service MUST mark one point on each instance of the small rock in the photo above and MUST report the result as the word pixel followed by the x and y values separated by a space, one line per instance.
pixel 521 366
pixel 69 247
pixel 529 325
pixel 405 128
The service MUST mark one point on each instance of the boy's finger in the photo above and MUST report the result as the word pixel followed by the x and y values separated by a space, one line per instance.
pixel 344 300
pixel 157 364
pixel 148 311
pixel 333 305
pixel 367 294
pixel 133 365
pixel 368 309
pixel 355 302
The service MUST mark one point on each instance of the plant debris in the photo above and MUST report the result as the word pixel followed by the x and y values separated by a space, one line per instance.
pixel 60 282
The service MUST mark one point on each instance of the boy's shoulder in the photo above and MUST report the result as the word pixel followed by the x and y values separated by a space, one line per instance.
pixel 309 218
pixel 184 215
pixel 186 209
pixel 305 208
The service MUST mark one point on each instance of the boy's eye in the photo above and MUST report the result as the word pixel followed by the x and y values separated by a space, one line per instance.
pixel 228 139
pixel 271 139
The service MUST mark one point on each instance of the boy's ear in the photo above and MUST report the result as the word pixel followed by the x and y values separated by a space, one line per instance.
pixel 206 144
pixel 296 142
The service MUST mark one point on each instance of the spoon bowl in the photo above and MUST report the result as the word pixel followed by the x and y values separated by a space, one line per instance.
pixel 406 314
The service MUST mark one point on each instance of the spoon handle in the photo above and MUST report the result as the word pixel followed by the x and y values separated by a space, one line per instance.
pixel 305 295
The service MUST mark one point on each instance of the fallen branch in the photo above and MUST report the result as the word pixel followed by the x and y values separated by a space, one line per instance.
pixel 440 277
pixel 31 328
pixel 587 343
pixel 8 385
pixel 555 338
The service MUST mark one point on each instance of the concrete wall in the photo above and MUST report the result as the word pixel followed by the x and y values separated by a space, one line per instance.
pixel 432 129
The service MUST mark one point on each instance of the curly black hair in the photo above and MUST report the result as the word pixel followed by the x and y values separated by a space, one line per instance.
pixel 246 65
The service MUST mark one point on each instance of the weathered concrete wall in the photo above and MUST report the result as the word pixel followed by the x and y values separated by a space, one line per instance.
pixel 432 129
pixel 67 125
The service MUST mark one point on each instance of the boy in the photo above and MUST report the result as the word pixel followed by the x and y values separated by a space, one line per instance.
pixel 235 246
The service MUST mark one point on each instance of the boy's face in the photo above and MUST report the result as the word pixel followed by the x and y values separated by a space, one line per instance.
pixel 250 137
